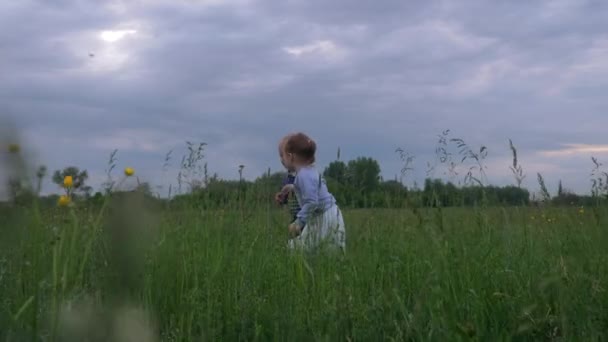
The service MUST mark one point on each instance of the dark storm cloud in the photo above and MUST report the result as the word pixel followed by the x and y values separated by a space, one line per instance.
pixel 366 77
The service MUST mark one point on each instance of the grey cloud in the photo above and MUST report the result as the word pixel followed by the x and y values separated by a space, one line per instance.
pixel 345 13
pixel 366 77
pixel 522 22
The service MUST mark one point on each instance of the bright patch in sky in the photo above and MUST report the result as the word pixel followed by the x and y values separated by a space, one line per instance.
pixel 571 149
pixel 110 56
pixel 114 36
pixel 322 46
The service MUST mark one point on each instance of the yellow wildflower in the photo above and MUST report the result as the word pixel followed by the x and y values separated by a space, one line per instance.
pixel 64 201
pixel 13 148
pixel 129 171
pixel 68 181
pixel 581 211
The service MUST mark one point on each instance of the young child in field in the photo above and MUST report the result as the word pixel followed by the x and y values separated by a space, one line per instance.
pixel 284 197
pixel 319 220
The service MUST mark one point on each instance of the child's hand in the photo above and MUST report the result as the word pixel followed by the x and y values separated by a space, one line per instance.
pixel 279 198
pixel 287 189
pixel 294 230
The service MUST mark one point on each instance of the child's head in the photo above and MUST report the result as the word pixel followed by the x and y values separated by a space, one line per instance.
pixel 298 150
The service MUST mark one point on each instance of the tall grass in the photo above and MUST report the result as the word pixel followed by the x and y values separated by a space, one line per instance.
pixel 448 274
pixel 128 270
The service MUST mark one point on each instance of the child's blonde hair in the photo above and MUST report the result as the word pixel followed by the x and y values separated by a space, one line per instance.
pixel 301 145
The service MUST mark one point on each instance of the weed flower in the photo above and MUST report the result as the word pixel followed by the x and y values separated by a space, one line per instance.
pixel 581 210
pixel 64 201
pixel 129 171
pixel 68 181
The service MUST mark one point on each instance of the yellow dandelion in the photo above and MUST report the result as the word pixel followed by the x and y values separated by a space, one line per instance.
pixel 68 181
pixel 64 201
pixel 581 211
pixel 13 148
pixel 129 171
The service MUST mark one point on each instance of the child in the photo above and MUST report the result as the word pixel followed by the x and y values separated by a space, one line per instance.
pixel 283 197
pixel 319 220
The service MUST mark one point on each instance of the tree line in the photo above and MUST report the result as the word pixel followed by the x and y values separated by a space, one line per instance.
pixel 358 184
pixel 355 184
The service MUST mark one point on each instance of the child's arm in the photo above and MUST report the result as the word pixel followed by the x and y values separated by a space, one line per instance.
pixel 282 196
pixel 307 183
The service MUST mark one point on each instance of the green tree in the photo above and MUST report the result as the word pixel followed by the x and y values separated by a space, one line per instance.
pixel 432 189
pixel 336 170
pixel 79 178
pixel 363 174
pixel 393 187
pixel 267 185
pixel 393 193
pixel 512 195
pixel 273 180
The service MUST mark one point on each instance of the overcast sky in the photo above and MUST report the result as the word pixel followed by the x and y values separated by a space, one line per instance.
pixel 81 78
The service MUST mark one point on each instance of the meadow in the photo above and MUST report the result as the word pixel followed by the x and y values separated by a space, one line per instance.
pixel 131 271
pixel 447 263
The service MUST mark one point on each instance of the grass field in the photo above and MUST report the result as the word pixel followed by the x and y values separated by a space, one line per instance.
pixel 179 274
